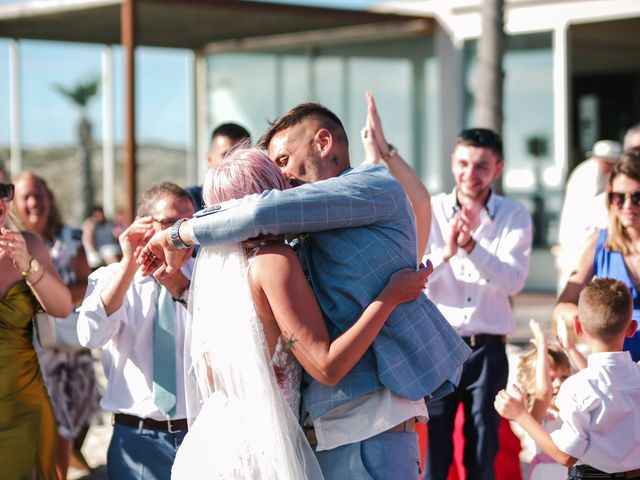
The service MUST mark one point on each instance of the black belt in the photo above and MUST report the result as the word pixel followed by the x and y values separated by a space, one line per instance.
pixel 171 426
pixel 587 471
pixel 484 339
pixel 406 426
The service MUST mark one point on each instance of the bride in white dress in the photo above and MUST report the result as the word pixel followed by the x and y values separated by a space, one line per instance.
pixel 254 321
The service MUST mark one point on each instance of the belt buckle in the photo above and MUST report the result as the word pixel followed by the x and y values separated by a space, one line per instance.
pixel 170 427
pixel 472 341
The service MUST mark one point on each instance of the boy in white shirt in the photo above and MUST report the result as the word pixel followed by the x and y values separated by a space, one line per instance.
pixel 598 405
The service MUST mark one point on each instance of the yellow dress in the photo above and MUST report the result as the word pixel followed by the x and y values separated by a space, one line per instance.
pixel 27 425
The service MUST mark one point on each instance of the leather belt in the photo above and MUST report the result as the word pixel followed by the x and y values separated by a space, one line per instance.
pixel 587 472
pixel 406 426
pixel 171 426
pixel 484 339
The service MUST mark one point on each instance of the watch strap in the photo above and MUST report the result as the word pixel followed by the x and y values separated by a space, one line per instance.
pixel 174 235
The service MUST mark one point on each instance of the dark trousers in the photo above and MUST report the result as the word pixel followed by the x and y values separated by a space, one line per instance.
pixel 484 374
pixel 579 472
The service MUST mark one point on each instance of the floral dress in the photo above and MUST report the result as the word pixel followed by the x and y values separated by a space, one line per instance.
pixel 69 374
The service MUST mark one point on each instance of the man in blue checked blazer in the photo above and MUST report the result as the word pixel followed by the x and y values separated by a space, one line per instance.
pixel 358 229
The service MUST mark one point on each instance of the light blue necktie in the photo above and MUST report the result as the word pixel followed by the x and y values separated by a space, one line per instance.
pixel 164 354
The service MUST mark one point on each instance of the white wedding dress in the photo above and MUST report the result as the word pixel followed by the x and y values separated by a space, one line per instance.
pixel 241 426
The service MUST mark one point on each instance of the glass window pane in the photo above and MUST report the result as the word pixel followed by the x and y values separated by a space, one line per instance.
pixel 236 96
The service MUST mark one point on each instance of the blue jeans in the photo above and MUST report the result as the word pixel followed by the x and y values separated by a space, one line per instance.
pixel 387 456
pixel 139 453
pixel 484 374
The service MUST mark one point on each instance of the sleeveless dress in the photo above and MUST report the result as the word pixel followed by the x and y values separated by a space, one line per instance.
pixel 246 426
pixel 610 264
pixel 69 375
pixel 27 425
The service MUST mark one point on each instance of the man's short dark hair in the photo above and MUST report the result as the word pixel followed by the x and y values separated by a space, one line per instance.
pixel 605 308
pixel 300 113
pixel 231 130
pixel 481 137
pixel 155 192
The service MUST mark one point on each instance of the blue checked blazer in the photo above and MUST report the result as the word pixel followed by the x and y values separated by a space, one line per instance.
pixel 360 229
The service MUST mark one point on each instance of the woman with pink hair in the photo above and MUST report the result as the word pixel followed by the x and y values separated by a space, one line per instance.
pixel 255 324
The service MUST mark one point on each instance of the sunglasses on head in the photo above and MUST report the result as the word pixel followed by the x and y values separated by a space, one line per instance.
pixel 6 192
pixel 618 198
pixel 482 137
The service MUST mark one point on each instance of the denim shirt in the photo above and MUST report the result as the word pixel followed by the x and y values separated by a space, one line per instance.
pixel 361 230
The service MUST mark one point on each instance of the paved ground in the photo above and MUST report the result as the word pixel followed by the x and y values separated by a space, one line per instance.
pixel 526 305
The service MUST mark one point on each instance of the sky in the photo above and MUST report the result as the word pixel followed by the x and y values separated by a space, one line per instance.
pixel 49 119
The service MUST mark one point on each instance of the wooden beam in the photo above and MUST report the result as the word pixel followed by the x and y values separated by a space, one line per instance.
pixel 128 38
pixel 328 36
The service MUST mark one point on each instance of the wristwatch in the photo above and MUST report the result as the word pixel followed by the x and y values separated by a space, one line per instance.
pixel 34 267
pixel 392 150
pixel 174 235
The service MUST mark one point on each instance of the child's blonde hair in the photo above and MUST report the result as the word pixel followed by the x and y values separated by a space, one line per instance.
pixel 526 376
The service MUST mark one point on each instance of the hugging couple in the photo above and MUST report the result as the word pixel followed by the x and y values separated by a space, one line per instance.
pixel 347 307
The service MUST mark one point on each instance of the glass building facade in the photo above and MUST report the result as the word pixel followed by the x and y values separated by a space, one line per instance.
pixel 254 87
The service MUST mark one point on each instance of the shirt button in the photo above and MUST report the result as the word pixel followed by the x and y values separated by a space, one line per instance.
pixel 468 299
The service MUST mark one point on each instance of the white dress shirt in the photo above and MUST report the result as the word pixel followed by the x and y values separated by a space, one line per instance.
pixel 600 410
pixel 472 290
pixel 126 339
pixel 365 417
pixel 583 212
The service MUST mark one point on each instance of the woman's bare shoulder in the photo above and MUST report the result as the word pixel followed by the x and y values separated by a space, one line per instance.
pixel 272 259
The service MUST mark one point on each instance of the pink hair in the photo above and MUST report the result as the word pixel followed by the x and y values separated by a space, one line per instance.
pixel 242 172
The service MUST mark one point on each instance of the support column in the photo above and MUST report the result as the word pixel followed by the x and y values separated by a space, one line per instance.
pixel 202 114
pixel 561 97
pixel 192 120
pixel 416 158
pixel 127 29
pixel 108 148
pixel 15 109
pixel 451 80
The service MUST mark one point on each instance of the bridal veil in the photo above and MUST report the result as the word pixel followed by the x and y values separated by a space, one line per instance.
pixel 241 427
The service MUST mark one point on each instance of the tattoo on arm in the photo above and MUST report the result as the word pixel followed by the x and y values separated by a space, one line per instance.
pixel 291 341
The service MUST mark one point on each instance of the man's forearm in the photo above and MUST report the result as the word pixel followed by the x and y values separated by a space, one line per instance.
pixel 361 199
pixel 113 294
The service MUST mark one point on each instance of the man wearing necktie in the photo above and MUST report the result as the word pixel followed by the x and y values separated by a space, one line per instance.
pixel 139 324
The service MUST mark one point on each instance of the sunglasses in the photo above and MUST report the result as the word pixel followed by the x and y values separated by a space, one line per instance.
pixel 6 192
pixel 481 137
pixel 618 198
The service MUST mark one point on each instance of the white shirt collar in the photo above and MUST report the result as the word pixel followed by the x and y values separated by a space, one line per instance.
pixel 451 205
pixel 608 358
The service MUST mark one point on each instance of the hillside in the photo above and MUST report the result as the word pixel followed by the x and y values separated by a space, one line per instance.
pixel 61 167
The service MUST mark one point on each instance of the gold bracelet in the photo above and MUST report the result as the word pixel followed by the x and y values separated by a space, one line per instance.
pixel 37 281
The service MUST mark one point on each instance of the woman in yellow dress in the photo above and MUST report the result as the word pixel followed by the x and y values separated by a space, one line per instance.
pixel 27 278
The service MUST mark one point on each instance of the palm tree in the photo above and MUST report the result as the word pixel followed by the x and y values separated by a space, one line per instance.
pixel 79 95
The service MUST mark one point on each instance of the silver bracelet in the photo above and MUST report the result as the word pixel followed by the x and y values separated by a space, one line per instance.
pixel 174 235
